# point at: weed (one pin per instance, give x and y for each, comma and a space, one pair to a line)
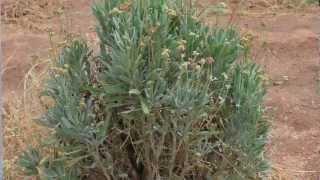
166, 98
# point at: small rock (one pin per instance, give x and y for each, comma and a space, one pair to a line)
278, 83
263, 24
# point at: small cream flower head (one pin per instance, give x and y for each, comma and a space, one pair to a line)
115, 11
166, 53
225, 75
192, 34
202, 61
182, 45
198, 67
171, 12
223, 5
195, 53
142, 44
185, 65
210, 60
182, 41
195, 18
67, 66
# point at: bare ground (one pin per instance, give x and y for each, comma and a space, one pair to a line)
286, 44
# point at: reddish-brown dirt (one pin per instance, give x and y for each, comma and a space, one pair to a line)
286, 44
21, 45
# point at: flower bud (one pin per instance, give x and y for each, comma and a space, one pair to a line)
172, 12
115, 11
202, 61
166, 53
210, 60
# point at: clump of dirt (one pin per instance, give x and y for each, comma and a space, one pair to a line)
29, 13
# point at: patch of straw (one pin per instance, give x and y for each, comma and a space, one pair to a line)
20, 131
29, 13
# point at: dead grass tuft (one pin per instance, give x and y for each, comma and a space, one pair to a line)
279, 174
21, 109
20, 129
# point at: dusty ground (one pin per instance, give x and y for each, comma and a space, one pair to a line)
21, 45
285, 43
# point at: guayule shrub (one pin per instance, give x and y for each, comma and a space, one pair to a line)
165, 98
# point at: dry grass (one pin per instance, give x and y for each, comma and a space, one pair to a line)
20, 111
278, 174
20, 130
277, 4
29, 13
249, 7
